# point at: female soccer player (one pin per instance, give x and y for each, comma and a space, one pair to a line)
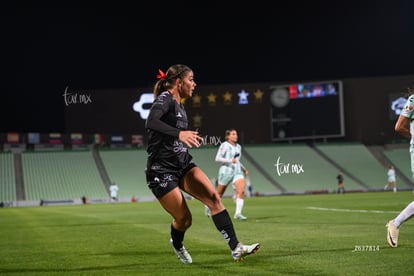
171, 169
405, 127
231, 170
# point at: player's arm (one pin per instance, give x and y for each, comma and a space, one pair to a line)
154, 122
245, 171
402, 126
221, 155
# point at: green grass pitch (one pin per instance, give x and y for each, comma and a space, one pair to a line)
328, 234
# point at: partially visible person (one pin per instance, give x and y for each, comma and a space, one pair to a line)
405, 127
341, 184
85, 200
391, 181
114, 191
231, 170
171, 169
249, 186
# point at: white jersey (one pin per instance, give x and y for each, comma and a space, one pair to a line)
114, 190
391, 175
408, 111
225, 154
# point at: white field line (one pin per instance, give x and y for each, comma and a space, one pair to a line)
350, 210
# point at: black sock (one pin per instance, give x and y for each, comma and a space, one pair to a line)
225, 226
177, 237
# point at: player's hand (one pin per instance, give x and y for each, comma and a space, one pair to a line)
190, 138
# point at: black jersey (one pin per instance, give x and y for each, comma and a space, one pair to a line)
165, 120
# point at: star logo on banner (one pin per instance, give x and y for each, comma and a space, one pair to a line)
227, 98
211, 99
197, 120
258, 96
196, 100
243, 97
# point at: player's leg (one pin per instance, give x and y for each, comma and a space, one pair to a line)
175, 204
239, 186
394, 225
197, 184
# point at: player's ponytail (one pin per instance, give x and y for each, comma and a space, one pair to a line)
166, 80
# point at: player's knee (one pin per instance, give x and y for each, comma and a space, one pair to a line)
215, 202
216, 198
184, 222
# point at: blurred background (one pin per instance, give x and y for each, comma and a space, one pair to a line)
51, 47
77, 76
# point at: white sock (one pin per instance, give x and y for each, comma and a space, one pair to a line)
404, 214
395, 189
239, 206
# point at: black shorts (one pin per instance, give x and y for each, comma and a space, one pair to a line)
161, 180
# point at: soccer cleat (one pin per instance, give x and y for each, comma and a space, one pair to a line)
240, 217
392, 234
182, 254
207, 211
242, 250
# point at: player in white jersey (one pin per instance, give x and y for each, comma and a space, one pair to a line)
114, 191
405, 127
231, 170
391, 181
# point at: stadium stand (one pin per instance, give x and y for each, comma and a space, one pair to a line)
205, 156
61, 175
126, 167
300, 168
7, 179
357, 161
400, 158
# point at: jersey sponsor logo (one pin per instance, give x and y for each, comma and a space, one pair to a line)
179, 147
165, 179
155, 167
